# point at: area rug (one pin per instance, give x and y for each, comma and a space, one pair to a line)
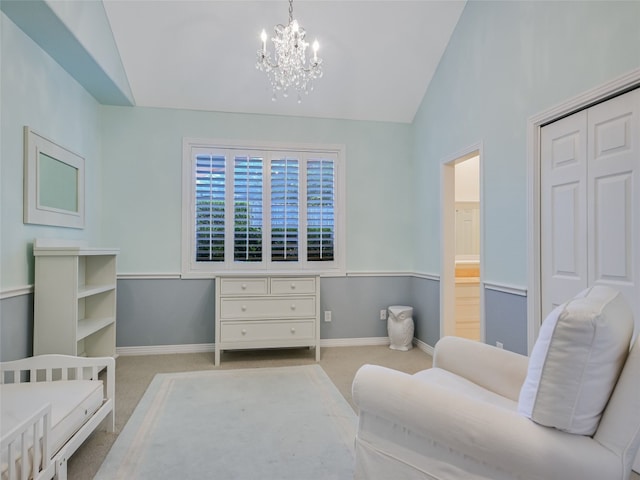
268, 423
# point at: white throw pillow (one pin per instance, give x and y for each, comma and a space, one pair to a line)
576, 361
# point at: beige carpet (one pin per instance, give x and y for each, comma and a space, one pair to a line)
134, 374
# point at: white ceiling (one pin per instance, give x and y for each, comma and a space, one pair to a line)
378, 56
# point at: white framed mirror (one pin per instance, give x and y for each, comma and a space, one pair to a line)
53, 183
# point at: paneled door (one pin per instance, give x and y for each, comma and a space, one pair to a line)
563, 210
590, 202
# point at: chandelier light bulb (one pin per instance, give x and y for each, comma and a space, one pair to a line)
263, 37
289, 69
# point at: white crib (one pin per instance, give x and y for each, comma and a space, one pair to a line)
49, 405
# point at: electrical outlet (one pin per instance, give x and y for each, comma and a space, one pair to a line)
383, 314
499, 345
327, 315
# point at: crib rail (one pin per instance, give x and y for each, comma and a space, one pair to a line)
52, 367
24, 449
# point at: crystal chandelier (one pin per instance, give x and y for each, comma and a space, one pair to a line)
290, 70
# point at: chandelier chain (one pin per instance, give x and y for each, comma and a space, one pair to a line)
290, 11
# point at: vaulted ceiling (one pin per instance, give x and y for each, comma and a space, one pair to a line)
378, 56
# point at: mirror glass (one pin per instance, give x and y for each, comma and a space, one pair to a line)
58, 184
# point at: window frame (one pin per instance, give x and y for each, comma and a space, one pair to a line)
268, 151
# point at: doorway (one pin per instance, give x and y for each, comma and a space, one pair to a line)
461, 298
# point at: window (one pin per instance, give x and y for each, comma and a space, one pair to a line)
262, 208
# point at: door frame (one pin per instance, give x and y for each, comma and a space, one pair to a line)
448, 235
612, 88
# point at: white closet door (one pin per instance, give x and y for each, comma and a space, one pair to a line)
590, 202
563, 212
613, 196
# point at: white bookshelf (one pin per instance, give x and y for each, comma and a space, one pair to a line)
75, 299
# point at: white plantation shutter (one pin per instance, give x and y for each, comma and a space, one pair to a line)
256, 208
209, 208
285, 209
321, 191
247, 209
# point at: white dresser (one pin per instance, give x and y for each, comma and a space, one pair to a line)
267, 312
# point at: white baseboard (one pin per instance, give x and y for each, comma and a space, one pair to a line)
210, 347
166, 349
354, 342
425, 347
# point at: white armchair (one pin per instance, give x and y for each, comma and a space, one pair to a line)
460, 419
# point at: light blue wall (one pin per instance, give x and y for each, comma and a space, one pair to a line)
89, 24
506, 62
37, 92
78, 36
142, 152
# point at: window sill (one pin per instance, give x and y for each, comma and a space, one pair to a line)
227, 273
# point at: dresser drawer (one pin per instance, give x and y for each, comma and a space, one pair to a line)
267, 331
293, 285
268, 307
244, 286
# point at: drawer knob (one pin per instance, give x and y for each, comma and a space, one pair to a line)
244, 332
293, 286
244, 308
293, 306
293, 330
243, 286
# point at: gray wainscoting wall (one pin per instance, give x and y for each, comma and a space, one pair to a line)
355, 303
506, 320
16, 327
154, 312
425, 294
158, 312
